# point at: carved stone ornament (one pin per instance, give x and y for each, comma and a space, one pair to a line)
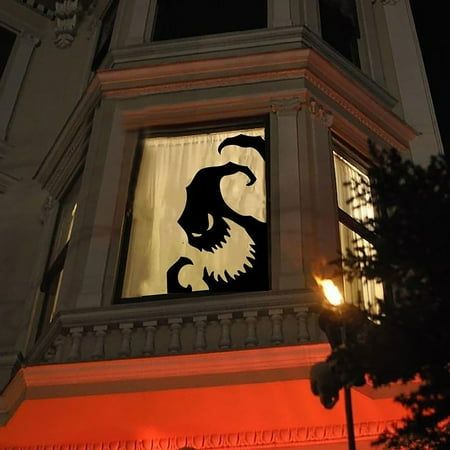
286, 105
66, 15
318, 111
287, 437
67, 18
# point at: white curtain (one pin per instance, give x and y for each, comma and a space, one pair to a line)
157, 241
360, 291
353, 190
350, 183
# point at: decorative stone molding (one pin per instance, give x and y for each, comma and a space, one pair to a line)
66, 13
287, 104
251, 439
311, 70
66, 16
43, 8
320, 112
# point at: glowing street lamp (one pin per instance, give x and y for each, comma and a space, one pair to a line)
330, 291
334, 297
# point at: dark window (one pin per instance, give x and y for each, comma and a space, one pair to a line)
7, 39
339, 22
55, 267
104, 38
196, 220
186, 18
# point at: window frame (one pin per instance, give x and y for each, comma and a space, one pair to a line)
173, 131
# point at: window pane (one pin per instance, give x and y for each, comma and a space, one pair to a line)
7, 39
339, 23
66, 217
199, 215
359, 290
186, 18
105, 35
353, 190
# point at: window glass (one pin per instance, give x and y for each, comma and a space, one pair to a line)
199, 215
105, 35
187, 18
53, 275
66, 217
339, 24
359, 291
7, 39
353, 190
355, 208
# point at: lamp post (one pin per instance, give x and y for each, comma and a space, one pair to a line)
335, 300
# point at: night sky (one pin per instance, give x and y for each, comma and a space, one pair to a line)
433, 28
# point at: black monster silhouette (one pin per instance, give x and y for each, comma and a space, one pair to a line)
206, 221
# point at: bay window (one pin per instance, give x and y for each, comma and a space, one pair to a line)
197, 215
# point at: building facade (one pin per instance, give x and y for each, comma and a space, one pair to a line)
172, 178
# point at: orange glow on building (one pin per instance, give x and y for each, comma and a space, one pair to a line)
215, 414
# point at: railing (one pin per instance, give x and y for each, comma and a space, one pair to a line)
180, 326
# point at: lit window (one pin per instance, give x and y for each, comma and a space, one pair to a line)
197, 217
53, 276
186, 18
355, 209
339, 24
7, 39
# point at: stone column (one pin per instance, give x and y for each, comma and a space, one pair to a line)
318, 194
287, 252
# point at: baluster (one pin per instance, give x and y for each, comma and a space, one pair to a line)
175, 327
276, 317
76, 334
303, 326
125, 345
59, 349
99, 346
150, 331
200, 337
250, 318
225, 335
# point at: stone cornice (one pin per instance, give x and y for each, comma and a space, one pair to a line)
249, 440
312, 71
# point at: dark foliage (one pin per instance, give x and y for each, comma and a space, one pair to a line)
410, 337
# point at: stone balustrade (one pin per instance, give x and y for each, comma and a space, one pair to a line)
162, 328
